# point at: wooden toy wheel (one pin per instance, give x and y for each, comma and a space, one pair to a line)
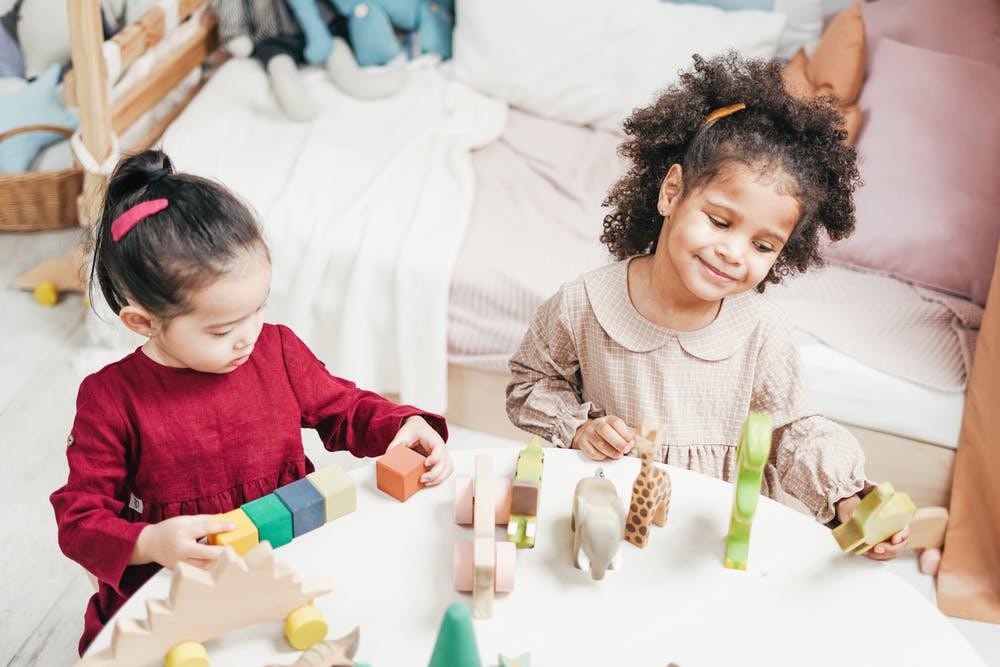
503, 577
463, 500
186, 654
304, 627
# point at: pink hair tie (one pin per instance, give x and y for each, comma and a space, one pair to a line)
124, 223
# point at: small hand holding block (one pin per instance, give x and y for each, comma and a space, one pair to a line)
244, 538
398, 472
882, 513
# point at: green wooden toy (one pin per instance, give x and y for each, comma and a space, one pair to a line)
522, 524
751, 457
456, 641
878, 516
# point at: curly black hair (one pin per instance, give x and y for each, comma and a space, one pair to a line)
803, 138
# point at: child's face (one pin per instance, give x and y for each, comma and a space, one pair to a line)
219, 334
723, 238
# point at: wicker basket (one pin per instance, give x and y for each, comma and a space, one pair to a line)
34, 201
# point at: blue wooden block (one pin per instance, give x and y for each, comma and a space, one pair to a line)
306, 505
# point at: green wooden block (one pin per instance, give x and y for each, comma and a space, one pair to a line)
272, 518
456, 641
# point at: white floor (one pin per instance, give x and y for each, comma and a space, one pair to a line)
44, 594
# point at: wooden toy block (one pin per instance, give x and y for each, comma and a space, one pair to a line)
306, 504
465, 500
651, 490
751, 457
235, 592
244, 538
484, 547
881, 513
398, 472
598, 524
338, 489
272, 518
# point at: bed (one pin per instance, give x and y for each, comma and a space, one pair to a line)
414, 236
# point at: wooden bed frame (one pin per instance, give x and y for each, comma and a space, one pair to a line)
476, 398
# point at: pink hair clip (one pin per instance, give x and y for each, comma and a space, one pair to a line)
124, 223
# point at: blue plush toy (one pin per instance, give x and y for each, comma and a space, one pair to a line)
34, 104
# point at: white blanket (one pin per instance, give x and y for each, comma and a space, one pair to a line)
364, 208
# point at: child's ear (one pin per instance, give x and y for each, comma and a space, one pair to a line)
670, 190
138, 319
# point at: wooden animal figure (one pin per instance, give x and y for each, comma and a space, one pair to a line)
751, 457
598, 524
235, 592
881, 513
329, 652
651, 490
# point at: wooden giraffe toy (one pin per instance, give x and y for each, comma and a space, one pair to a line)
651, 490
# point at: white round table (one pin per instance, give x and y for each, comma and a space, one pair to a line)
800, 600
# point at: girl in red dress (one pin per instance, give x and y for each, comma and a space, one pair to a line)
206, 415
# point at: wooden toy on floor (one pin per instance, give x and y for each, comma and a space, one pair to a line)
598, 524
398, 472
651, 490
523, 521
456, 640
880, 514
290, 511
751, 457
235, 592
330, 652
484, 565
54, 276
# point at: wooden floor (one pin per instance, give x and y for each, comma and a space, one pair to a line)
43, 357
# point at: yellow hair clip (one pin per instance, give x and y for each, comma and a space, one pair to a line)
723, 112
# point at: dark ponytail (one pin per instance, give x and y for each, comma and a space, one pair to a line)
166, 257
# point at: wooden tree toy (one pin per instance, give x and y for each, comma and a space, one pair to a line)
484, 565
751, 457
651, 490
398, 472
880, 514
598, 524
523, 521
235, 592
456, 640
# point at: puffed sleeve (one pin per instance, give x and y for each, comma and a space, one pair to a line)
345, 417
89, 508
544, 395
819, 462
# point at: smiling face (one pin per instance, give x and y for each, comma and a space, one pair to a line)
723, 238
219, 333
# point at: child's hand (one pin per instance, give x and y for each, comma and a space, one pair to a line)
175, 540
604, 438
416, 431
883, 550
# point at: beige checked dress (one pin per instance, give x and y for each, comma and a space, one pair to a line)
589, 353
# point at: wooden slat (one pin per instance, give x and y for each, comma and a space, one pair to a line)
143, 96
138, 37
86, 38
155, 133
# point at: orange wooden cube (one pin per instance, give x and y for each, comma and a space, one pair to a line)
243, 539
398, 472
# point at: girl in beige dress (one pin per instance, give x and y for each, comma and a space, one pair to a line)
731, 183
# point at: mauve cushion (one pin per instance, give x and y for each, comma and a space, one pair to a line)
967, 28
929, 151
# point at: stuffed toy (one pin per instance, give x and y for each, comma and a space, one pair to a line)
265, 30
35, 103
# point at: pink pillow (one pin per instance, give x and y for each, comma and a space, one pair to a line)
929, 150
967, 28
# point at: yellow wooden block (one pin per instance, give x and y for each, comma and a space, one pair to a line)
243, 539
